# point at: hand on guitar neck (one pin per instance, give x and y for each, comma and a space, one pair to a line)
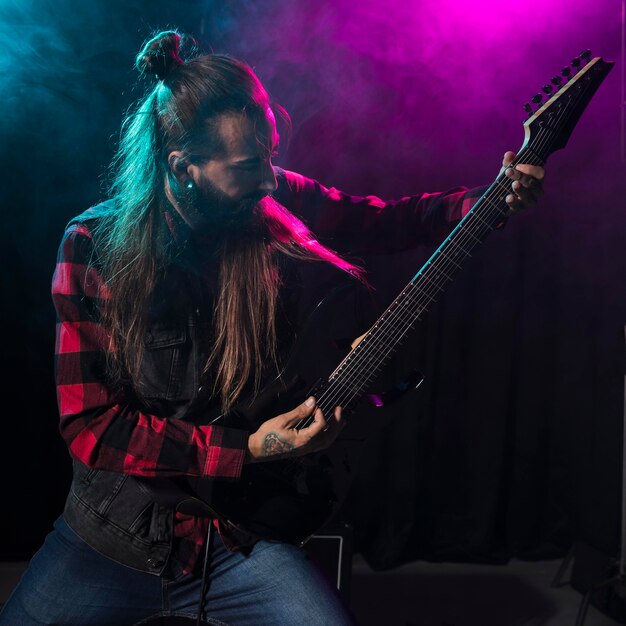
526, 182
298, 432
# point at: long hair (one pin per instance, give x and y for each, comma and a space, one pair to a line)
135, 243
245, 334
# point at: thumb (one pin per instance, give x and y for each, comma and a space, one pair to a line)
302, 411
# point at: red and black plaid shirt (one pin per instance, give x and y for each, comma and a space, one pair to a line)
96, 421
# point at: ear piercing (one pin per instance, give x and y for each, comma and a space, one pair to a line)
189, 184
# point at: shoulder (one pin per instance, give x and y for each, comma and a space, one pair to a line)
86, 222
292, 181
77, 243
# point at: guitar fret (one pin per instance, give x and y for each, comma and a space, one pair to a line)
468, 230
480, 219
435, 269
461, 248
449, 258
506, 213
432, 282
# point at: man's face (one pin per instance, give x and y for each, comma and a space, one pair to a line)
229, 184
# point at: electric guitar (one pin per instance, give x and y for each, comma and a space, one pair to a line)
291, 499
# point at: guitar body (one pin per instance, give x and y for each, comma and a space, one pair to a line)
290, 499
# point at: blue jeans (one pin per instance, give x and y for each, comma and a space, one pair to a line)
67, 582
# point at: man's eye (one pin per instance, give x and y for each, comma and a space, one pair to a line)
248, 166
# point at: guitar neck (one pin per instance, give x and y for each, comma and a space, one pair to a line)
547, 130
352, 377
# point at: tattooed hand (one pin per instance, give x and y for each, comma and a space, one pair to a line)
279, 438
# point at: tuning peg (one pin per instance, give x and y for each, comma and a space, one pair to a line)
576, 62
585, 55
566, 71
528, 109
546, 88
537, 98
556, 80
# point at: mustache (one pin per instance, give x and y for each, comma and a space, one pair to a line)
209, 208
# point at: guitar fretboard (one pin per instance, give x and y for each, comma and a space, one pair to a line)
357, 371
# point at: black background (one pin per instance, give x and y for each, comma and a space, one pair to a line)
513, 445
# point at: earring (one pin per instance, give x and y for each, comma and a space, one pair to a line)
189, 184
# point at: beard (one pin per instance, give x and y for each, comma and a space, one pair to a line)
209, 212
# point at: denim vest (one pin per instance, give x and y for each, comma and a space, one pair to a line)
116, 514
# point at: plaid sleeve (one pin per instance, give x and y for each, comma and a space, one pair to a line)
367, 224
99, 427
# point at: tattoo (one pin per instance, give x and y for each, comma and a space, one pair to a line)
273, 444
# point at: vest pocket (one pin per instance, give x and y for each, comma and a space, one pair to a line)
96, 488
166, 365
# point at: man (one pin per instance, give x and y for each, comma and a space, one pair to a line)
176, 299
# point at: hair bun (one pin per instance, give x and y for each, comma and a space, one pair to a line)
160, 55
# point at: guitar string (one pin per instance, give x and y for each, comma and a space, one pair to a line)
558, 115
405, 304
402, 316
400, 308
396, 312
363, 365
331, 396
428, 282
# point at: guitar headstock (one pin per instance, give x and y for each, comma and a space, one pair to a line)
548, 128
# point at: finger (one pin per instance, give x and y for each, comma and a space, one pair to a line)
520, 199
513, 199
534, 171
336, 420
529, 194
302, 411
338, 417
315, 425
508, 158
528, 181
515, 204
524, 186
528, 191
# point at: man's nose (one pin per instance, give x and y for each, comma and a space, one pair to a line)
268, 180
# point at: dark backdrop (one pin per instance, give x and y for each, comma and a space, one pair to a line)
512, 447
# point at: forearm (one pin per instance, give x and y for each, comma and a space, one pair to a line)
369, 225
103, 426
117, 438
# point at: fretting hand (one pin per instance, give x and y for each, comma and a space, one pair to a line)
526, 184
